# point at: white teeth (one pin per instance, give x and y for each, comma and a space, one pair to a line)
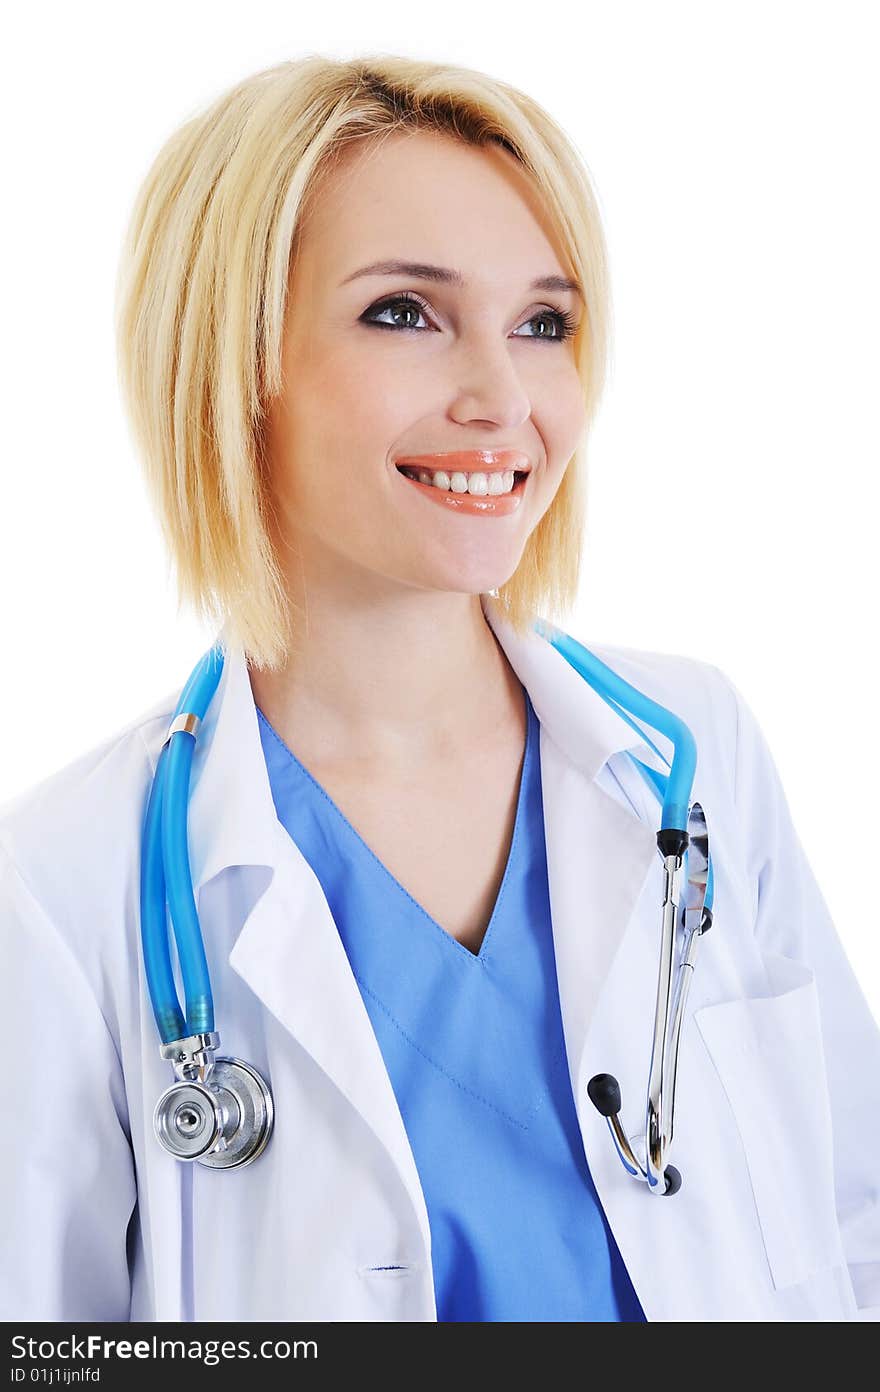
479, 483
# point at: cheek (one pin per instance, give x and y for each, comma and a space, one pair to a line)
352, 404
561, 421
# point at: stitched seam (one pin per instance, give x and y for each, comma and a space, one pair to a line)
445, 1071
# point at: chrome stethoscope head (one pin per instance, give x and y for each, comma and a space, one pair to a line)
220, 1110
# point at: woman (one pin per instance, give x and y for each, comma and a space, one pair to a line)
425, 865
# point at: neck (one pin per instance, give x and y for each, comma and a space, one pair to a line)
408, 677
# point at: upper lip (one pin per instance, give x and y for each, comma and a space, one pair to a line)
487, 461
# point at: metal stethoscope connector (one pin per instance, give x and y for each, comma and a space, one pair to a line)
219, 1111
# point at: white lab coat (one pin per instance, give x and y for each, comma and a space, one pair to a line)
777, 1127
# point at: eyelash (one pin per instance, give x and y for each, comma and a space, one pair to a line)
566, 323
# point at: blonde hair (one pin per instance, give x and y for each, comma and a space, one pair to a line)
200, 307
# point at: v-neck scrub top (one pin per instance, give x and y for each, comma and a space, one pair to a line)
474, 1048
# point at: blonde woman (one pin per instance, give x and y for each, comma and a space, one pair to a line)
363, 321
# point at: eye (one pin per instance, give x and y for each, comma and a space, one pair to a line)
408, 302
565, 325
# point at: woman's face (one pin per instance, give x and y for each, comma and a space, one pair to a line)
456, 370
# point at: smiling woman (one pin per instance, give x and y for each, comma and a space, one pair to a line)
383, 244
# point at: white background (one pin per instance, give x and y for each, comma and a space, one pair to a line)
734, 494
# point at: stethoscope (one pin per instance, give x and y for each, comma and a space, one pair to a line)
219, 1111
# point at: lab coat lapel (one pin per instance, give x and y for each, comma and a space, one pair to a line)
292, 957
286, 946
598, 858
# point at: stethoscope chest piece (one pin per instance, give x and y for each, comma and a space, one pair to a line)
219, 1113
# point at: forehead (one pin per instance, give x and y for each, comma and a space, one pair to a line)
426, 196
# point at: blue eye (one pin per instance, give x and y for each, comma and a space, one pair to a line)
565, 324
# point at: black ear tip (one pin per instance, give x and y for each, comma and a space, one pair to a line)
604, 1093
673, 1179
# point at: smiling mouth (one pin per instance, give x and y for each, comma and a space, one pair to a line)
493, 483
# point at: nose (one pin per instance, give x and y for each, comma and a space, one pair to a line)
492, 391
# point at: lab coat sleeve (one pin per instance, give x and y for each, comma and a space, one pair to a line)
794, 921
66, 1168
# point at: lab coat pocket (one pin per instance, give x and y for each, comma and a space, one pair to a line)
769, 1056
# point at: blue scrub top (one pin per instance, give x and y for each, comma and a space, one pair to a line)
474, 1048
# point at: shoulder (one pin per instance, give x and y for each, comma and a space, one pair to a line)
697, 691
70, 843
736, 780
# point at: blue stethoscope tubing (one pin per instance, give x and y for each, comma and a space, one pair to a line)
166, 876
165, 873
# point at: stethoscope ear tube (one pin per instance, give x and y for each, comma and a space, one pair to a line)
154, 925
683, 834
165, 872
696, 919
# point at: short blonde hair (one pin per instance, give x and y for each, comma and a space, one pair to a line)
200, 307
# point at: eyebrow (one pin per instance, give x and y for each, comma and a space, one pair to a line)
419, 270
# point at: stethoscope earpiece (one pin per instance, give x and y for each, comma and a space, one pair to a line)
604, 1093
673, 1179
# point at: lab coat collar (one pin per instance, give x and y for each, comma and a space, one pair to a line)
232, 817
